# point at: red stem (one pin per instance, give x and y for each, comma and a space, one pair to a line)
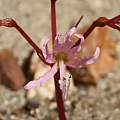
100, 22
53, 20
38, 50
9, 22
59, 98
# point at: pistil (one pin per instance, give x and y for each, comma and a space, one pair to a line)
61, 56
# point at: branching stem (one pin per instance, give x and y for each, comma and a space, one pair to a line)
101, 22
9, 22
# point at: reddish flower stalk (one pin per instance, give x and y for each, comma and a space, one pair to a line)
103, 21
58, 92
9, 22
53, 20
59, 98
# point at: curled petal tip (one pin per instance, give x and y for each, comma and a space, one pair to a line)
97, 53
95, 56
71, 31
80, 36
31, 85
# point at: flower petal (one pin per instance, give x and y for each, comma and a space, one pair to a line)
78, 47
64, 81
94, 57
68, 35
48, 56
45, 41
42, 79
71, 31
62, 69
57, 40
75, 63
80, 36
64, 86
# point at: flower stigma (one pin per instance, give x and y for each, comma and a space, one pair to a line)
61, 56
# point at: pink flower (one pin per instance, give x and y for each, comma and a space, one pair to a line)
63, 54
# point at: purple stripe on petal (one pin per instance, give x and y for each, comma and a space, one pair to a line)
45, 46
48, 56
68, 35
72, 52
57, 39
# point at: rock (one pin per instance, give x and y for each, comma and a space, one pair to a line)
11, 73
53, 106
